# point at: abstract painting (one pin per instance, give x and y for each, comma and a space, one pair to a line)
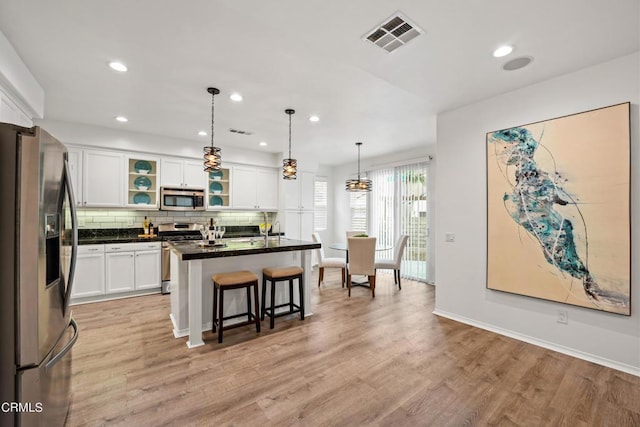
558, 209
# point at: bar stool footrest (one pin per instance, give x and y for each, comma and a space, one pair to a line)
269, 310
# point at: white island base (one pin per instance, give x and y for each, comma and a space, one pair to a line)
192, 289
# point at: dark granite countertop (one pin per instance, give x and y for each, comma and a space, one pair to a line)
192, 250
130, 235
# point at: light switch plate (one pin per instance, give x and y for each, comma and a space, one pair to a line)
449, 237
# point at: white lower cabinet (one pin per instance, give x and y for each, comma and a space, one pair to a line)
89, 277
120, 269
147, 269
104, 271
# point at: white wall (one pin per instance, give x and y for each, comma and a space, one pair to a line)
96, 136
17, 81
605, 338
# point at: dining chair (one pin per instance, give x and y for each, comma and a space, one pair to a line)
327, 262
362, 256
394, 264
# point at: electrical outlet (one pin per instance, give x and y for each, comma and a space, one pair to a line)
449, 237
563, 317
129, 221
81, 222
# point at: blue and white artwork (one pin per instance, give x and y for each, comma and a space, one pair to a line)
558, 223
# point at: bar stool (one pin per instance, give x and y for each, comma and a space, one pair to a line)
276, 275
234, 280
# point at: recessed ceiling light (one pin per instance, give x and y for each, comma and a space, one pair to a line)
202, 133
314, 119
118, 66
502, 51
122, 119
263, 144
235, 97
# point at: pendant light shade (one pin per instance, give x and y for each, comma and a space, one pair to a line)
212, 154
360, 184
289, 166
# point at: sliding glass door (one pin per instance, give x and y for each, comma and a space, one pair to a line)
399, 206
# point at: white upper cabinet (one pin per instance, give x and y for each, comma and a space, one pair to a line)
103, 173
182, 173
298, 193
254, 188
267, 188
171, 175
194, 176
243, 188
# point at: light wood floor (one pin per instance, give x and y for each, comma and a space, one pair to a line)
357, 362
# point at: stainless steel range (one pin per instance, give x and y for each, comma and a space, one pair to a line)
174, 232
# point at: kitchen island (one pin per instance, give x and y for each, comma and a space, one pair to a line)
193, 265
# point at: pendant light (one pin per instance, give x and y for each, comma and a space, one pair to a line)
360, 184
289, 166
212, 154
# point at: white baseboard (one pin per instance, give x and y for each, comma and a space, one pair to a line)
633, 370
110, 297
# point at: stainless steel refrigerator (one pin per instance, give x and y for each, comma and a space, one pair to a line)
38, 246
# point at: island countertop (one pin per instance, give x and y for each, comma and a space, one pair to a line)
191, 250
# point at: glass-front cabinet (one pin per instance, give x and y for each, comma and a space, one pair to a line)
142, 182
218, 185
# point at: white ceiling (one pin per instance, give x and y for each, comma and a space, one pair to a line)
307, 55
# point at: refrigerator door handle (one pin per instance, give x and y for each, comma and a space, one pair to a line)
51, 363
74, 238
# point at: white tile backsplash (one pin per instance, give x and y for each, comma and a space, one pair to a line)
100, 218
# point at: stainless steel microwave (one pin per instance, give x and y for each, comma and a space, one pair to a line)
181, 199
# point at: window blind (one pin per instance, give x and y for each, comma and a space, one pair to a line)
320, 203
399, 206
358, 204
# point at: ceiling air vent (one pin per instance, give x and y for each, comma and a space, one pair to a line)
394, 32
240, 132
